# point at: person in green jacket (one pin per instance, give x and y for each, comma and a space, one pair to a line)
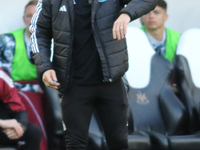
15, 53
16, 60
163, 40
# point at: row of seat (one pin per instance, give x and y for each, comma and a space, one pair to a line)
158, 119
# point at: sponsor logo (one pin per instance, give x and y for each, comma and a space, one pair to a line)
63, 8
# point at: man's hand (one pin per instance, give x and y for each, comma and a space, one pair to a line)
11, 133
120, 26
12, 128
50, 80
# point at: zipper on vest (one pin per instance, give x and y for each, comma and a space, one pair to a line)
95, 4
71, 22
97, 31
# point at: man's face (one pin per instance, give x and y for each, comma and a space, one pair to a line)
155, 19
30, 10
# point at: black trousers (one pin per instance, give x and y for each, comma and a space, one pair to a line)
31, 138
110, 102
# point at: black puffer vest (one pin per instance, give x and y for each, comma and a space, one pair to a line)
113, 53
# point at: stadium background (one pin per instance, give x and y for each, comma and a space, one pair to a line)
183, 14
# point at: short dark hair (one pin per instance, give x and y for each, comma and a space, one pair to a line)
162, 3
32, 2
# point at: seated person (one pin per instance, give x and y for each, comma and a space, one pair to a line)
16, 60
163, 40
14, 126
15, 53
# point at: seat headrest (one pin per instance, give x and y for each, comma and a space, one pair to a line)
140, 54
189, 47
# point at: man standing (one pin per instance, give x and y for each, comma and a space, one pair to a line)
90, 57
163, 40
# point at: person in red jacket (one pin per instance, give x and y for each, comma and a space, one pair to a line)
14, 127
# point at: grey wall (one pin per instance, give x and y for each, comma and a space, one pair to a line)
11, 13
183, 14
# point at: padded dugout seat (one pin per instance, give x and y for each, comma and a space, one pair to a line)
155, 109
188, 82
